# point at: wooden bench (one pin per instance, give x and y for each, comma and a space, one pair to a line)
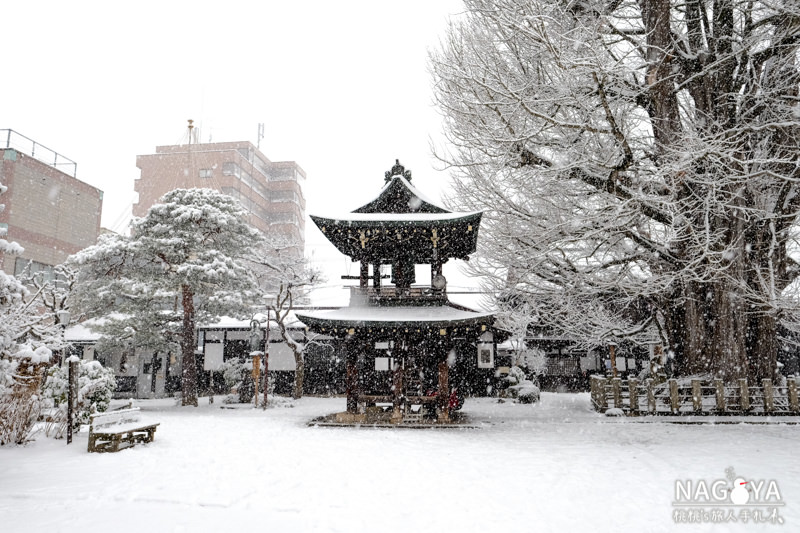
116, 430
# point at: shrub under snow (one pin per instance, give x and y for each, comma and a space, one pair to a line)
20, 377
521, 388
96, 384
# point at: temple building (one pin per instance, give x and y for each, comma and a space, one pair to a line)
402, 339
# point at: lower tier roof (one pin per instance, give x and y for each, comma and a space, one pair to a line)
433, 316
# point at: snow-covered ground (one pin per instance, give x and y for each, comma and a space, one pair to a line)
555, 466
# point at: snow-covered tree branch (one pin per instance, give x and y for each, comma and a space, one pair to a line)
637, 164
184, 262
285, 278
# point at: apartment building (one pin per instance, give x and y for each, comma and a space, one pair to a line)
270, 191
48, 211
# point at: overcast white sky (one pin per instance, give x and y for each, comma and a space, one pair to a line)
342, 87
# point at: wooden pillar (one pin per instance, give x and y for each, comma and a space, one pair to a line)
616, 390
72, 395
633, 395
651, 395
719, 386
599, 398
363, 278
444, 391
744, 395
769, 395
352, 346
674, 400
794, 405
397, 390
697, 396
256, 379
376, 276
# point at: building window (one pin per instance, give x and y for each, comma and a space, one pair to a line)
284, 196
206, 173
36, 268
283, 218
231, 169
282, 174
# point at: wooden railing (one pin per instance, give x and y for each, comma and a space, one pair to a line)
391, 293
694, 397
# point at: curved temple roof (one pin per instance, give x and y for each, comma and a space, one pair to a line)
435, 316
402, 221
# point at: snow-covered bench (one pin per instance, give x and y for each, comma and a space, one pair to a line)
116, 430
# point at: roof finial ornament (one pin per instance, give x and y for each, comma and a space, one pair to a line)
397, 170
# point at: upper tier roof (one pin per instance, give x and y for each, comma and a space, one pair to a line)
395, 212
399, 196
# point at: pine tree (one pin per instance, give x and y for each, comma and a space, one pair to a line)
184, 261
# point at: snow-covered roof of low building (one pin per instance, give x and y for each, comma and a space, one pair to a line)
227, 322
80, 333
395, 316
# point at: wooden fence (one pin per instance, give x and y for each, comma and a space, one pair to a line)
694, 397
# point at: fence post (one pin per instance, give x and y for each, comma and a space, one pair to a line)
674, 401
633, 395
616, 390
720, 393
744, 395
599, 400
651, 395
794, 405
769, 398
697, 396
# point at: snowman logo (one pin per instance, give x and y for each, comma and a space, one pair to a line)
740, 493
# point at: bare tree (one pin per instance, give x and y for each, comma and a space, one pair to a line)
285, 279
637, 163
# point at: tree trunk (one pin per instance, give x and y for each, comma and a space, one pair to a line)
762, 348
299, 362
188, 362
299, 375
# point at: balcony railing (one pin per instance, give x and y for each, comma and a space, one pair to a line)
38, 151
393, 294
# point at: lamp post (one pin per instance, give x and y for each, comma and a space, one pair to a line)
63, 317
267, 300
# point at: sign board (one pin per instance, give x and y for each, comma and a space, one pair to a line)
213, 359
485, 355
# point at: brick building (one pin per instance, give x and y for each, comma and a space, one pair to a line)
271, 191
49, 212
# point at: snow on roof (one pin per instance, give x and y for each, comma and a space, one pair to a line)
416, 192
413, 190
399, 217
80, 333
394, 314
227, 322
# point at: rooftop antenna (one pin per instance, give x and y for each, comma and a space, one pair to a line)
260, 135
191, 127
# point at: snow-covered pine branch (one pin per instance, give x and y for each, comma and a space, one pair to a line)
183, 262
